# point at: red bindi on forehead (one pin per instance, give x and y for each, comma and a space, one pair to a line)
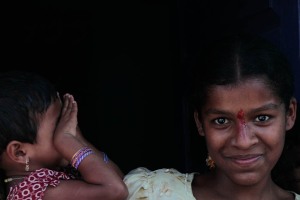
241, 116
242, 127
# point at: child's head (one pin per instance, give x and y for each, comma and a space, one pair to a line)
238, 58
23, 97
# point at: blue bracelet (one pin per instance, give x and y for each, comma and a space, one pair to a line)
105, 157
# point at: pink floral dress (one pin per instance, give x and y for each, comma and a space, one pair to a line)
34, 185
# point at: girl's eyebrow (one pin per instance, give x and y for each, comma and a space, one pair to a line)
269, 106
216, 112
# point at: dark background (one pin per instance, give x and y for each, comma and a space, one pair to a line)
127, 64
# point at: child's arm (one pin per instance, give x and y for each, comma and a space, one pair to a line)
87, 143
101, 179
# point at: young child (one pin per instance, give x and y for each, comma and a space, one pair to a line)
39, 135
243, 105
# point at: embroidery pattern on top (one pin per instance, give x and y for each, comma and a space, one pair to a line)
34, 186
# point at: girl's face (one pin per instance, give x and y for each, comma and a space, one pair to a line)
244, 126
45, 154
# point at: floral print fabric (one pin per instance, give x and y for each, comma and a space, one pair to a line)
34, 186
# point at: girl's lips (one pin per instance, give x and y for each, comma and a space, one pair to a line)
245, 160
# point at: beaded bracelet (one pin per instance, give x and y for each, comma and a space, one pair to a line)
80, 155
77, 154
78, 161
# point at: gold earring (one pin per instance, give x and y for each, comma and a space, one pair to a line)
210, 162
27, 164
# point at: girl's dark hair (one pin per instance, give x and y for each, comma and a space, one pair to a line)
239, 57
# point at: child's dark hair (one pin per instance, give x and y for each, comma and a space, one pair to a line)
240, 57
24, 96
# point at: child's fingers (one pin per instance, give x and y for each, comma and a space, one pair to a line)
65, 103
74, 108
70, 108
68, 104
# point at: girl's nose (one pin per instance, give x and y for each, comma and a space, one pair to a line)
243, 137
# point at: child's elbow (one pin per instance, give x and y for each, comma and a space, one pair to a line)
119, 192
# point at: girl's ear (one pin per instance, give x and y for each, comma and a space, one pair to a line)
198, 123
16, 151
291, 114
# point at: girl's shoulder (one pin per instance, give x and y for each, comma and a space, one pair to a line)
297, 196
163, 184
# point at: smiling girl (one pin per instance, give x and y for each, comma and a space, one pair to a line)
243, 105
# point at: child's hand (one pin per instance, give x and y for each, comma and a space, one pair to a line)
68, 120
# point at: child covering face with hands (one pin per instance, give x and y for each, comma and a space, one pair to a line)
39, 136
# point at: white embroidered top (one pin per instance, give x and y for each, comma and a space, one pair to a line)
161, 184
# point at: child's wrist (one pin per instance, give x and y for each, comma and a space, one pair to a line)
80, 155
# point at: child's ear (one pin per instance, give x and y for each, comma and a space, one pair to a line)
16, 151
198, 123
291, 114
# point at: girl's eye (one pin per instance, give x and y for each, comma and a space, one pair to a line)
221, 121
262, 118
